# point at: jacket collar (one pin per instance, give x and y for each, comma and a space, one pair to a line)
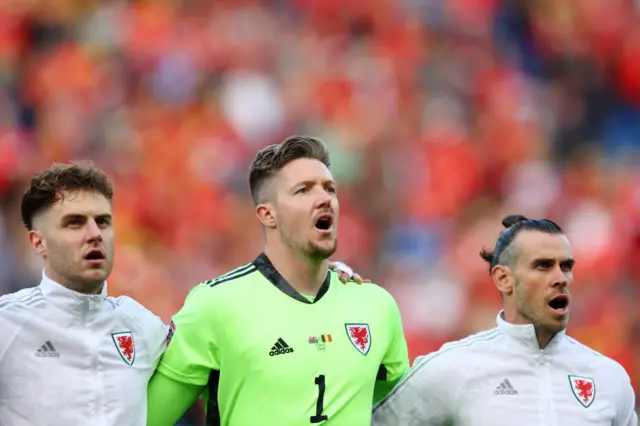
525, 333
70, 300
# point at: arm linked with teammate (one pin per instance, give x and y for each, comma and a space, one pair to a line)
186, 365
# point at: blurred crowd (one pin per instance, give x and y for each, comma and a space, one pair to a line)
441, 118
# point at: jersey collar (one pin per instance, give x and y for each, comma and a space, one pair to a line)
269, 271
70, 300
525, 333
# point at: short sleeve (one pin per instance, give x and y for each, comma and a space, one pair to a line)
396, 360
193, 348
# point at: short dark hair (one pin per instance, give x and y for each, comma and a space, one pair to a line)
272, 159
503, 253
47, 187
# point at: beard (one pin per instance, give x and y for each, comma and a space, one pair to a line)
311, 249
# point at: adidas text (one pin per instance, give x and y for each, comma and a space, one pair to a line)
280, 351
280, 347
505, 392
505, 388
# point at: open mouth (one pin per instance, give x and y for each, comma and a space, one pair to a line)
94, 255
324, 222
559, 304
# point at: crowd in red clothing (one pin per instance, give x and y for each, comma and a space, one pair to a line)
441, 118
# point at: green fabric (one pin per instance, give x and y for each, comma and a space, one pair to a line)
168, 400
260, 340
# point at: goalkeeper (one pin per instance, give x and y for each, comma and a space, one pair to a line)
279, 341
526, 371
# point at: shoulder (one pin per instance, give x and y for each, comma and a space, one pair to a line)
230, 282
219, 291
373, 293
21, 300
459, 354
137, 313
598, 361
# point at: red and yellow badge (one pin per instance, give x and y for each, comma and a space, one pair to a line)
584, 389
359, 336
125, 345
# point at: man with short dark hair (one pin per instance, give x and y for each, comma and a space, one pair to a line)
526, 371
69, 354
277, 342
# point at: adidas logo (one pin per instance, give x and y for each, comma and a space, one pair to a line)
505, 388
47, 351
280, 348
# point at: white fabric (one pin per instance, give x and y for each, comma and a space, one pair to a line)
464, 381
84, 380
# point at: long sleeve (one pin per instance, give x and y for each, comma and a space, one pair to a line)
626, 414
425, 397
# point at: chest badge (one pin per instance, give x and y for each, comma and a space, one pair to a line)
360, 337
125, 346
584, 389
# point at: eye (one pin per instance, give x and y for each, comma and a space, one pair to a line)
544, 265
331, 190
73, 222
302, 190
103, 221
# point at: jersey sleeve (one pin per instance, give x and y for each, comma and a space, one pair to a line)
193, 349
395, 363
158, 339
625, 413
425, 396
10, 324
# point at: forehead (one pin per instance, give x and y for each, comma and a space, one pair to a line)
535, 245
82, 202
303, 170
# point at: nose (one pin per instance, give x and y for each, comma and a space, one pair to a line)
560, 278
324, 199
94, 233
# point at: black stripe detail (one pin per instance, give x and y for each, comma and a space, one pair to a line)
224, 280
235, 271
382, 373
213, 409
269, 271
278, 345
50, 346
282, 342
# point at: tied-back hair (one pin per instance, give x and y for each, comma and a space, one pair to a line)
515, 224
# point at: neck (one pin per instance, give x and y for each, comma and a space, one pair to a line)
304, 274
84, 288
543, 335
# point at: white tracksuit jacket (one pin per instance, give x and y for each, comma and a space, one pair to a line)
501, 377
69, 359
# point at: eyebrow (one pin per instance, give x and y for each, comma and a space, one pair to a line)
310, 182
82, 216
566, 262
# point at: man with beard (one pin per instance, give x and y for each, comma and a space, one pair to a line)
279, 341
526, 371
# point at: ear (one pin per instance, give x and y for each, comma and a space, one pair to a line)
37, 241
266, 215
503, 278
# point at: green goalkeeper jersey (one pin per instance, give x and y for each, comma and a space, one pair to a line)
266, 355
